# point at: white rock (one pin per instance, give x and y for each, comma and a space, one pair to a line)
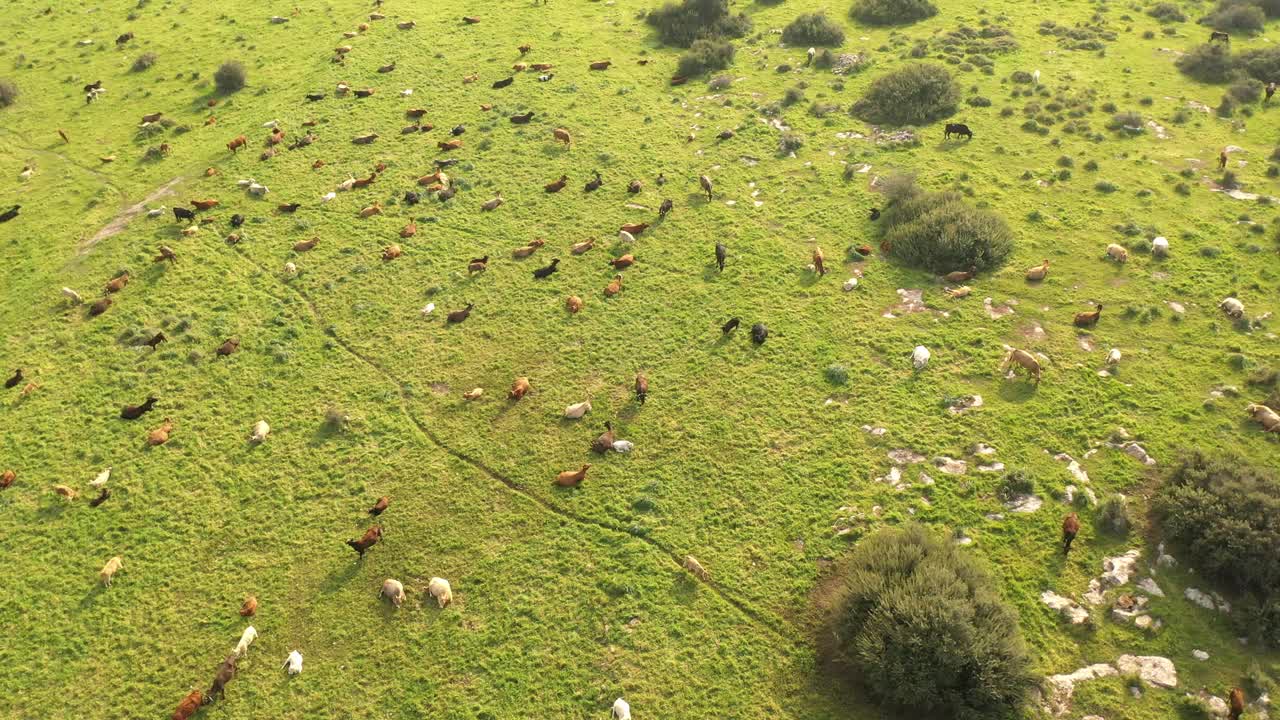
1068, 608
1062, 687
905, 457
1144, 622
1116, 571
1200, 598
406, 92
623, 446
1136, 451
850, 284
1200, 655
1113, 356
951, 466
994, 467
1024, 504
1153, 670
920, 357
1148, 585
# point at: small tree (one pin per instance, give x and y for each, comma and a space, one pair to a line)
8, 92
917, 94
706, 55
681, 23
144, 62
1209, 63
892, 12
230, 77
940, 232
814, 29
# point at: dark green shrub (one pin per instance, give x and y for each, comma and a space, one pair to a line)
230, 77
814, 29
681, 23
705, 55
892, 12
1245, 91
8, 92
1209, 63
1014, 484
1166, 12
1128, 121
1104, 186
978, 101
789, 142
792, 96
940, 232
917, 94
1113, 516
923, 628
1261, 64
837, 374
144, 62
1236, 16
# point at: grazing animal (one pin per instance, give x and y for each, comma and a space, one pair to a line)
153, 117
1232, 307
693, 566
863, 250
260, 432
470, 20
365, 92
601, 64
519, 388
166, 253
188, 707
101, 478
364, 139
160, 435
1236, 702
314, 97
759, 333
1024, 359
7, 477
249, 606
10, 214
614, 287
721, 253
958, 292
226, 671
293, 663
594, 184
1038, 273
545, 77
458, 316
237, 220
604, 442
499, 84
1271, 90
545, 272
621, 710
133, 412
237, 143
577, 410
819, 266
479, 264
634, 228
960, 276
526, 251
411, 229
875, 214
1089, 319
448, 145
227, 347
582, 247
411, 198
634, 187
1222, 159
380, 506
730, 326
705, 182
625, 261
665, 208
493, 204
246, 639
103, 495
370, 211
524, 49
66, 492
387, 68
920, 357
305, 245
726, 135
393, 590
441, 591
1160, 247
959, 129
72, 295
99, 307
14, 380
391, 252
1265, 416
1117, 253
288, 208
641, 388
542, 66
521, 119
809, 56
1070, 526
557, 186
573, 303
109, 570
563, 136
572, 478
1219, 35
366, 541
182, 214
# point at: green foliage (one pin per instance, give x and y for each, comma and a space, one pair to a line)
1211, 63
1236, 16
917, 94
837, 374
814, 29
705, 55
144, 62
1226, 515
1014, 484
8, 92
230, 77
789, 142
939, 231
923, 628
680, 24
1262, 64
1113, 516
1246, 90
892, 12
1167, 12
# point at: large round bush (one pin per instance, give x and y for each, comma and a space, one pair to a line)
705, 55
681, 23
892, 12
230, 76
8, 92
814, 29
923, 629
940, 232
917, 94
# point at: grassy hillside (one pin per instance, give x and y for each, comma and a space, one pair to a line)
747, 457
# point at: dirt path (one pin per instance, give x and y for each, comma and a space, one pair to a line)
122, 220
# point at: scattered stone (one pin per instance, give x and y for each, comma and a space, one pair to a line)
1153, 670
910, 301
996, 311
984, 450
905, 457
1086, 342
1068, 608
994, 467
1069, 494
1062, 687
850, 284
1177, 307
950, 466
964, 404
849, 63
1207, 601
994, 517
1146, 622
1116, 571
1200, 655
925, 479
1024, 504
874, 431
1148, 585
1139, 453
1214, 705
1073, 467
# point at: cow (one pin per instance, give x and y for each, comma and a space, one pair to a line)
1219, 35
957, 129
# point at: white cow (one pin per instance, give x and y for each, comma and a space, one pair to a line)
293, 662
246, 639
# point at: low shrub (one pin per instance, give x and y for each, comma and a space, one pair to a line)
892, 12
144, 62
680, 24
705, 55
939, 231
1236, 16
789, 142
1128, 121
1113, 516
917, 94
1014, 484
1247, 90
814, 29
230, 77
837, 374
923, 628
1211, 63
1262, 64
8, 92
1166, 12
792, 96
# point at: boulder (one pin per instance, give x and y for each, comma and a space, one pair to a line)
1153, 670
1068, 608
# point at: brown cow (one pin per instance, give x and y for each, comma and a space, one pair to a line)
563, 136
237, 143
1237, 703
226, 671
453, 144
366, 541
1070, 526
189, 705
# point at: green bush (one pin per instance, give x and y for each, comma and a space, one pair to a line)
1262, 64
1246, 90
8, 92
789, 142
923, 628
1113, 516
917, 94
814, 29
1226, 515
1236, 16
1014, 484
892, 12
683, 23
837, 374
1209, 63
940, 232
144, 62
230, 77
1166, 12
705, 55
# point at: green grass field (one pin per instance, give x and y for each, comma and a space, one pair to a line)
746, 457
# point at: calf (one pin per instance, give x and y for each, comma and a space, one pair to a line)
957, 129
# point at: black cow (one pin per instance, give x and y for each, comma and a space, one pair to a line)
10, 214
181, 213
1219, 35
503, 83
957, 129
1271, 89
124, 38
